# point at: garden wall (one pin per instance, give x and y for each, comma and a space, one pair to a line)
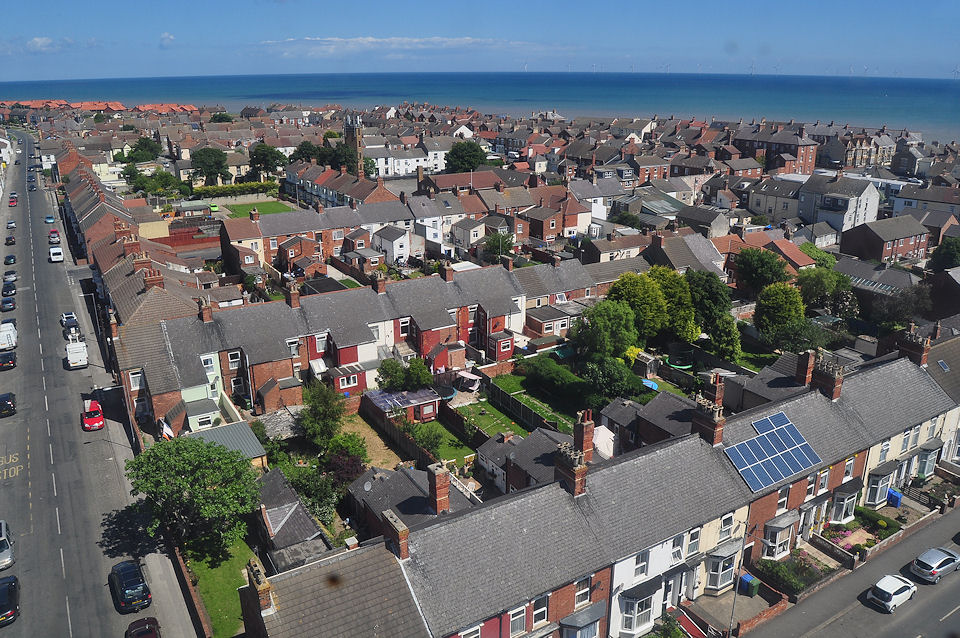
837, 553
250, 198
677, 377
349, 270
948, 471
778, 604
712, 361
893, 539
198, 613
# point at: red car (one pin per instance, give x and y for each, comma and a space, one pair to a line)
92, 417
12, 202
54, 237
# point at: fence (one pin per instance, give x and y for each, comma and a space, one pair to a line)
680, 378
927, 500
523, 413
472, 435
403, 441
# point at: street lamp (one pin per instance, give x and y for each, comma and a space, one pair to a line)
736, 579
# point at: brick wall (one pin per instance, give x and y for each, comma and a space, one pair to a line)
262, 372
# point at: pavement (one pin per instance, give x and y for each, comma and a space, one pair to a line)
63, 490
840, 609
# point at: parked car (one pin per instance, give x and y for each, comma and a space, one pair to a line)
7, 304
48, 219
54, 236
8, 360
6, 546
67, 316
9, 260
10, 275
32, 187
10, 241
143, 628
71, 328
31, 178
92, 417
9, 599
9, 289
934, 563
56, 254
12, 202
11, 225
129, 588
891, 591
8, 404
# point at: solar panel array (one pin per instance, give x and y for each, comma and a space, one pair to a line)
777, 452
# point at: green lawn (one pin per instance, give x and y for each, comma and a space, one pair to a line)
757, 360
669, 387
349, 283
218, 589
511, 383
264, 208
493, 421
452, 447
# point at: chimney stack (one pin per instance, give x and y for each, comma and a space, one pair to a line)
254, 215
805, 363
114, 327
206, 311
293, 296
570, 469
397, 532
713, 391
557, 261
438, 478
914, 346
379, 283
828, 378
583, 435
936, 330
141, 262
657, 239
403, 198
446, 271
130, 246
709, 421
380, 182
152, 279
507, 262
258, 579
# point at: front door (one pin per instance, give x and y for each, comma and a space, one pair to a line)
806, 522
668, 594
902, 473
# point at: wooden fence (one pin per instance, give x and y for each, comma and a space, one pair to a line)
403, 441
527, 416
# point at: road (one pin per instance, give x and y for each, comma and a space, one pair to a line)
840, 609
62, 490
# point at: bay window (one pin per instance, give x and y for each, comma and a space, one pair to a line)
778, 542
877, 489
719, 571
636, 613
843, 505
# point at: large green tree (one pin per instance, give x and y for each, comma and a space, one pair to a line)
198, 490
893, 312
465, 156
758, 268
393, 376
265, 159
710, 297
335, 157
145, 149
680, 320
778, 304
946, 255
322, 413
642, 293
822, 257
498, 243
605, 330
220, 118
210, 163
725, 338
818, 286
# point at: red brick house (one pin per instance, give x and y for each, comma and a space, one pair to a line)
890, 239
546, 224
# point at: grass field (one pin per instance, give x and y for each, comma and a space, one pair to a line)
511, 383
218, 589
264, 208
757, 360
452, 447
493, 421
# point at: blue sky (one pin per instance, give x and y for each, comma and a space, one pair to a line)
110, 38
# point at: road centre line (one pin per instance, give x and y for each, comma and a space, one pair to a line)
69, 624
63, 566
50, 447
953, 611
48, 427
58, 521
44, 381
54, 476
46, 406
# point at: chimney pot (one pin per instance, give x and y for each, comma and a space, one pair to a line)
827, 378
446, 271
569, 468
397, 532
709, 420
293, 297
805, 364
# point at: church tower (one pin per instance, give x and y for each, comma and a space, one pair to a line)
353, 136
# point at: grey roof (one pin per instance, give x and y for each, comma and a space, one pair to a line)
828, 184
290, 522
948, 377
896, 227
670, 412
547, 279
878, 278
608, 271
391, 233
406, 491
201, 406
535, 453
233, 436
361, 592
384, 212
291, 223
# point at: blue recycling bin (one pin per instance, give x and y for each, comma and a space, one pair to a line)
893, 498
749, 585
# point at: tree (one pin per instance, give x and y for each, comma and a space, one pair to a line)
348, 444
418, 375
725, 339
304, 152
210, 163
893, 312
369, 167
646, 300
144, 150
605, 330
759, 268
128, 127
429, 436
795, 336
323, 410
608, 376
760, 220
680, 319
99, 118
465, 156
393, 376
709, 296
822, 257
265, 159
498, 243
198, 490
331, 134
818, 286
778, 304
220, 118
946, 255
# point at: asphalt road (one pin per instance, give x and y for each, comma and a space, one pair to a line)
62, 490
840, 609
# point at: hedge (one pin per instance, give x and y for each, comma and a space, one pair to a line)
229, 190
882, 526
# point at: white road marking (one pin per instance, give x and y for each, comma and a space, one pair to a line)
48, 432
38, 330
54, 477
46, 405
50, 447
41, 365
63, 566
41, 345
953, 611
58, 520
44, 380
69, 625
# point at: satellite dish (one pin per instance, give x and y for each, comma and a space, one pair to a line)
367, 486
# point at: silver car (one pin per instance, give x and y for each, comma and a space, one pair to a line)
6, 546
934, 563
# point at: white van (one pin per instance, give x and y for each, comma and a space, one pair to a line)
56, 254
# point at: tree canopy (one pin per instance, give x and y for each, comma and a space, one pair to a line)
605, 330
265, 159
778, 304
335, 157
498, 243
818, 286
220, 118
198, 490
710, 297
465, 156
144, 150
323, 411
725, 338
946, 255
822, 257
642, 293
680, 315
758, 268
893, 312
210, 163
393, 376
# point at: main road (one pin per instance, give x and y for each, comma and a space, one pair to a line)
63, 491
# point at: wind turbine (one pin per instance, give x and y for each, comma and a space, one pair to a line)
956, 72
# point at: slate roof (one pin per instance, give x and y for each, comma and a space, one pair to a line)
547, 279
608, 271
670, 412
233, 436
876, 277
361, 592
948, 379
940, 194
406, 491
896, 227
289, 520
535, 453
391, 233
828, 184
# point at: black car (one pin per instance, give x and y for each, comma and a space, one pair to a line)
32, 187
9, 289
11, 240
16, 162
8, 404
8, 360
7, 304
143, 628
9, 260
129, 588
31, 178
9, 599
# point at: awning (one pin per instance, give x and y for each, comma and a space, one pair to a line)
586, 616
784, 521
933, 444
645, 589
317, 367
813, 502
850, 487
885, 469
726, 550
676, 569
469, 375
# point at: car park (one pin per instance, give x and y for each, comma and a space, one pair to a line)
9, 289
8, 360
891, 591
129, 587
7, 558
9, 260
935, 563
11, 240
8, 404
9, 599
7, 304
143, 628
92, 417
10, 275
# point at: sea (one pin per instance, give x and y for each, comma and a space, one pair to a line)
931, 106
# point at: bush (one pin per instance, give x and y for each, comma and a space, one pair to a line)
229, 190
877, 524
780, 575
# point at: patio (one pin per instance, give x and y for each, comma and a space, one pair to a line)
716, 610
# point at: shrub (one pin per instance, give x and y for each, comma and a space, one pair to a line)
780, 575
228, 190
877, 524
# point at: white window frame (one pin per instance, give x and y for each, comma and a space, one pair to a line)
291, 253
541, 613
641, 563
676, 550
844, 505
207, 362
505, 345
136, 379
582, 592
726, 527
337, 235
823, 479
915, 436
294, 346
636, 613
783, 495
926, 463
590, 631
361, 244
548, 327
884, 450
473, 632
561, 297
273, 243
879, 485
404, 326
472, 311
375, 329
205, 421
248, 259
553, 224
233, 359
693, 541
779, 542
905, 442
811, 485
848, 468
348, 381
720, 571
236, 384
